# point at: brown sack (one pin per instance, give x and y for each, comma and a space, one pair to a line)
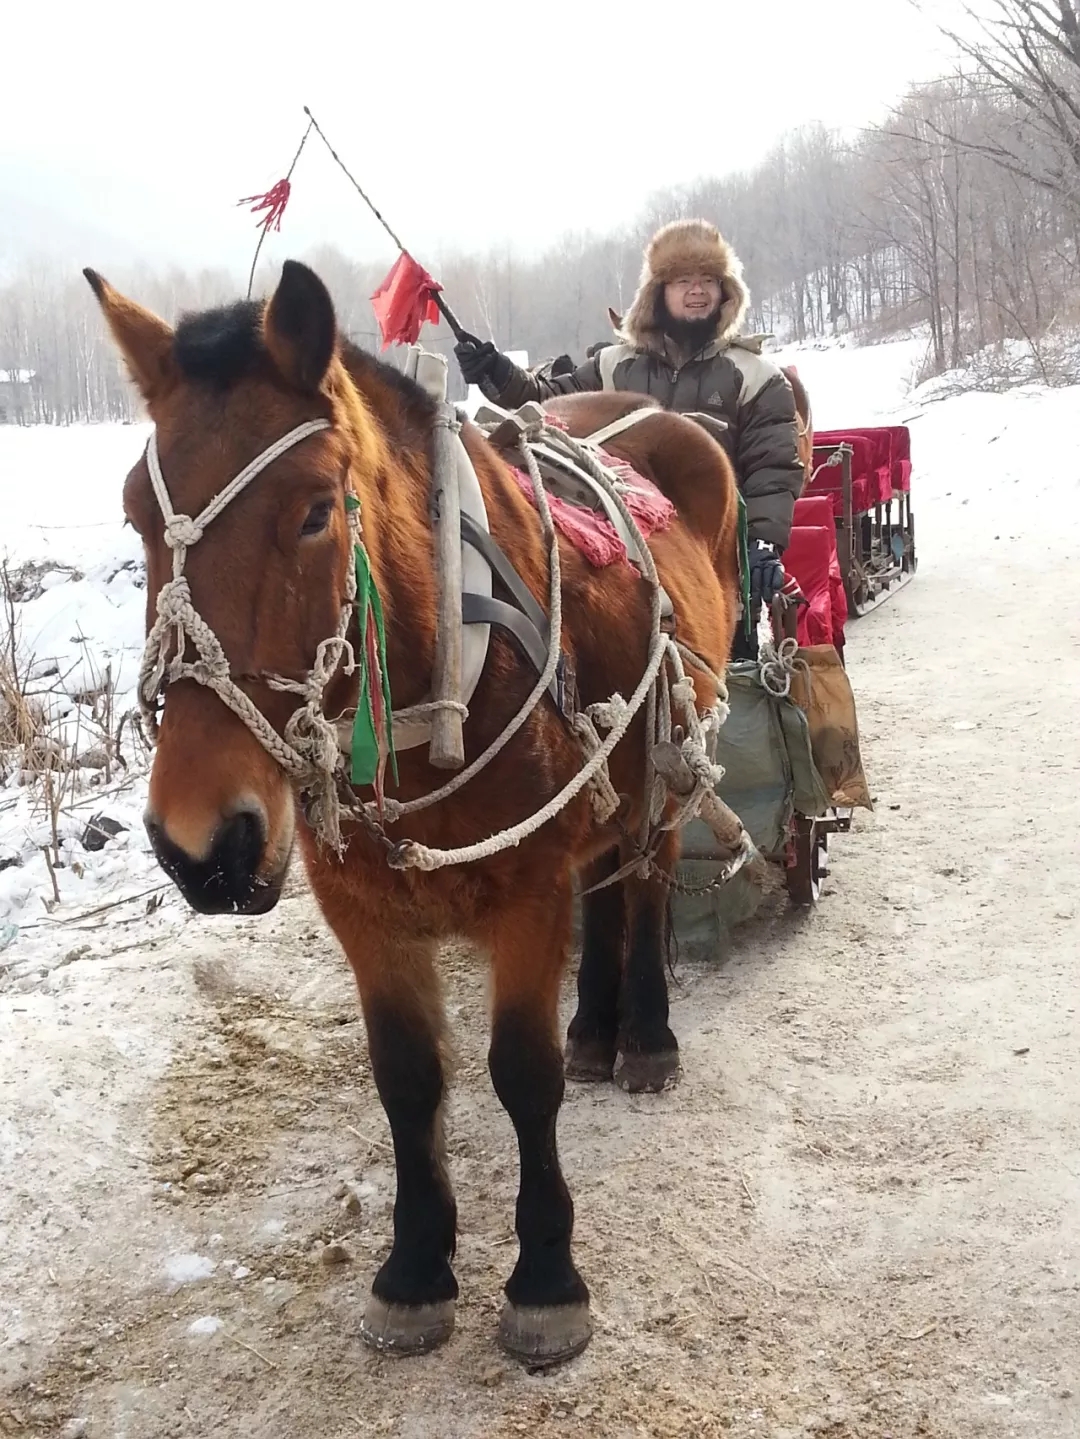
823, 691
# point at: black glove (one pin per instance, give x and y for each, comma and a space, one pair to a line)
766, 573
482, 363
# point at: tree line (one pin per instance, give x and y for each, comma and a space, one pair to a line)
959, 214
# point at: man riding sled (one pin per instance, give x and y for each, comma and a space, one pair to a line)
680, 343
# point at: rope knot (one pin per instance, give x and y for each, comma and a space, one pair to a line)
174, 601
609, 713
683, 693
182, 532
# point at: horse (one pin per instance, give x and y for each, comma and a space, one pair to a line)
804, 421
272, 386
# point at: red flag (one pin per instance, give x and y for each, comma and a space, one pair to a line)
404, 300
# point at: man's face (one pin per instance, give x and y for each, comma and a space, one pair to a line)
692, 297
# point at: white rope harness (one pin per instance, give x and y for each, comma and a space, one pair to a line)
778, 666
308, 750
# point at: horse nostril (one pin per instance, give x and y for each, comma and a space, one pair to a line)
227, 880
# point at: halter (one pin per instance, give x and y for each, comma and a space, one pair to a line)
308, 751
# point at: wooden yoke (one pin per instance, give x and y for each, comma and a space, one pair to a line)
447, 747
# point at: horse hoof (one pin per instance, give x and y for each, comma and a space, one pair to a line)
541, 1336
647, 1073
405, 1329
589, 1061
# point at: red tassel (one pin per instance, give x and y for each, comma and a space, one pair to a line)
273, 202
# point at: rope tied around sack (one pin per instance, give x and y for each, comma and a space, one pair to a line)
779, 664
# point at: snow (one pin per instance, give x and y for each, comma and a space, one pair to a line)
83, 618
208, 1324
984, 463
851, 386
188, 1268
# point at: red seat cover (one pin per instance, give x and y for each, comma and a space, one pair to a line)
817, 510
808, 558
872, 467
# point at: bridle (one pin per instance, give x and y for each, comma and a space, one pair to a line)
308, 750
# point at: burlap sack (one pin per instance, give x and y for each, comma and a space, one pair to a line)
823, 691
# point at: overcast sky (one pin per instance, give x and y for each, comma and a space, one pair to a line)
131, 130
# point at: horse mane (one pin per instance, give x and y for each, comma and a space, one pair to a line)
388, 387
223, 347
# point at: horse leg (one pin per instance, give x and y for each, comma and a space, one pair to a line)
648, 1058
592, 1039
411, 1308
546, 1316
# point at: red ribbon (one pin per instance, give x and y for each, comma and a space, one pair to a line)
273, 202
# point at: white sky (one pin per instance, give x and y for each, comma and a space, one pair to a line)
131, 130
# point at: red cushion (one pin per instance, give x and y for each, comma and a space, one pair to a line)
889, 462
901, 456
871, 468
817, 510
808, 557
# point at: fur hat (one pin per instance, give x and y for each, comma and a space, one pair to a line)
686, 246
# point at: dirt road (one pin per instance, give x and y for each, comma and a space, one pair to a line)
858, 1215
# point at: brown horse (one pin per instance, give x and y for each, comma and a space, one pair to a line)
270, 578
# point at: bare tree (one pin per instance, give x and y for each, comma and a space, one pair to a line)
1028, 52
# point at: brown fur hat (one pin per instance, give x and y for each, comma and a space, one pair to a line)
681, 247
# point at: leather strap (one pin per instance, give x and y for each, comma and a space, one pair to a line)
523, 597
482, 610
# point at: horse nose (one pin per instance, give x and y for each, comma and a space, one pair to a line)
226, 880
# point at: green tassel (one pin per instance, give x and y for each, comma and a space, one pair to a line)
366, 754
744, 566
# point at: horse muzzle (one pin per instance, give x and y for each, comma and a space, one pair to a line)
230, 877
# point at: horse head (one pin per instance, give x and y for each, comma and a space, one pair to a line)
267, 578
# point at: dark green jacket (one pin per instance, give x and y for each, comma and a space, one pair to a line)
729, 379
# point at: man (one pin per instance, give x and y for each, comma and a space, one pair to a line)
680, 343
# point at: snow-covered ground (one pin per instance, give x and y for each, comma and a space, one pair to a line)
83, 619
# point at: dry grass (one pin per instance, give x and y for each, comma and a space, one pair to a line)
55, 744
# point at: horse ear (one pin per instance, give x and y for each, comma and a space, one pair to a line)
615, 318
299, 327
143, 338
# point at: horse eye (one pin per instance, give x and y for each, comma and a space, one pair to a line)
318, 517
